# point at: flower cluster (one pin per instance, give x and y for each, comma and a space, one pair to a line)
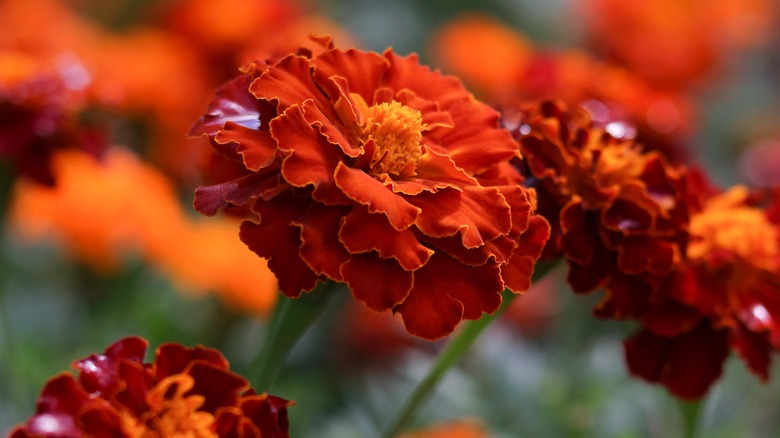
184, 392
377, 172
697, 268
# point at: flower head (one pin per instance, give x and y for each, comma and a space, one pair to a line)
39, 114
726, 293
618, 212
377, 172
184, 392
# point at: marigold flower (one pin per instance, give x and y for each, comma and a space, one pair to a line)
617, 211
39, 113
377, 172
727, 293
95, 214
183, 392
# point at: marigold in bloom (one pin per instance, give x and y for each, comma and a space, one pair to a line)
39, 114
728, 295
96, 214
617, 211
377, 172
183, 392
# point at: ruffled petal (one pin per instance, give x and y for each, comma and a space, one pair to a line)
289, 82
310, 158
379, 283
365, 190
517, 272
362, 232
480, 214
321, 248
362, 71
257, 148
233, 103
276, 239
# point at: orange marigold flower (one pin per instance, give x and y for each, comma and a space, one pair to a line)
727, 290
95, 215
676, 43
498, 61
39, 114
617, 210
183, 392
375, 171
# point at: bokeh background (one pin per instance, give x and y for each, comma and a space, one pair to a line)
116, 248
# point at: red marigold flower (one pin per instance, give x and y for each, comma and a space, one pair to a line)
726, 293
185, 391
377, 172
39, 113
617, 210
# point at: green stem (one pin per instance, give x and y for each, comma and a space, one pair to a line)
291, 319
690, 412
450, 356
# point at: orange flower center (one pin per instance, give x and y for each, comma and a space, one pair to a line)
728, 225
397, 134
171, 413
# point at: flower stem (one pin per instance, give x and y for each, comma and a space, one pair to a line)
690, 412
450, 356
290, 320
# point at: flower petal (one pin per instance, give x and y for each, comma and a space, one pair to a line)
380, 283
233, 103
321, 248
257, 148
480, 214
276, 238
517, 272
362, 231
311, 159
289, 82
362, 71
365, 190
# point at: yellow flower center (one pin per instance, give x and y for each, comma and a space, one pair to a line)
171, 414
397, 133
726, 224
617, 162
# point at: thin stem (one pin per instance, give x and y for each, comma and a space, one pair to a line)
690, 412
450, 356
290, 320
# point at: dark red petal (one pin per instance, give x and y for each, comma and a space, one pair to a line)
480, 214
753, 348
269, 414
278, 240
625, 297
517, 272
437, 303
311, 159
579, 235
362, 231
101, 420
380, 283
233, 103
289, 82
257, 148
670, 318
365, 190
219, 386
639, 254
321, 248
687, 365
626, 216
136, 381
499, 249
99, 372
173, 358
209, 199
362, 71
